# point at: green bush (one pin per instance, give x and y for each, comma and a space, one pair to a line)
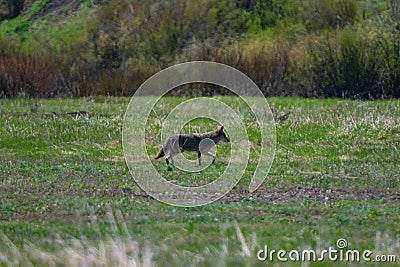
355, 62
330, 13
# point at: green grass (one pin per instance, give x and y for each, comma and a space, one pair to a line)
66, 192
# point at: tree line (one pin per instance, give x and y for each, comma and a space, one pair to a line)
327, 48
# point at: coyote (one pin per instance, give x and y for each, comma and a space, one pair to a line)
200, 143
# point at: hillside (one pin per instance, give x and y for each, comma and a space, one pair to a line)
46, 21
328, 48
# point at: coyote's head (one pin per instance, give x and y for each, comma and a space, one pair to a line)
221, 134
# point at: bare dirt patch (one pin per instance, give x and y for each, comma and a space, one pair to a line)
302, 193
278, 194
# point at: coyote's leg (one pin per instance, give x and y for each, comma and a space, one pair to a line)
211, 155
170, 158
199, 157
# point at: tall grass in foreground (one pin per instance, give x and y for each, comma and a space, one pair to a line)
109, 250
116, 249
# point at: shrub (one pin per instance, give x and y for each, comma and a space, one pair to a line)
266, 63
29, 75
347, 63
330, 13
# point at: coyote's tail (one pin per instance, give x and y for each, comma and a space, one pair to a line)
160, 154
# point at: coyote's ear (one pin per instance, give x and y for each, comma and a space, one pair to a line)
220, 128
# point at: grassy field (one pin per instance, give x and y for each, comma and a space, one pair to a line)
67, 198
